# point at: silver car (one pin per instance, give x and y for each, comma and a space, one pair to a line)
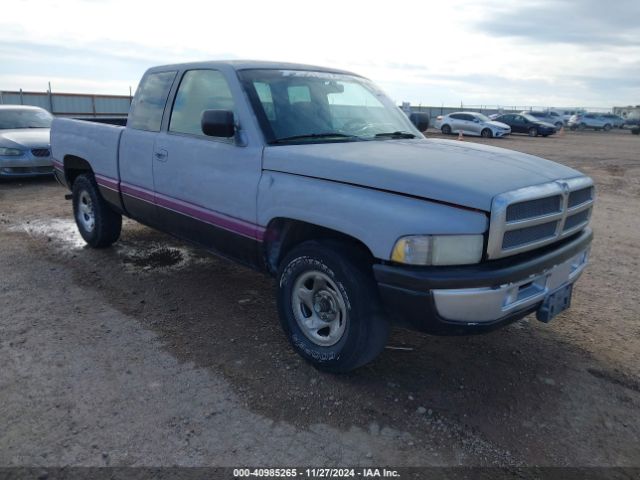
471, 123
589, 120
24, 141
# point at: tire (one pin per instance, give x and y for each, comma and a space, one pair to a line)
446, 130
559, 125
533, 132
545, 135
582, 126
487, 133
338, 284
97, 222
607, 127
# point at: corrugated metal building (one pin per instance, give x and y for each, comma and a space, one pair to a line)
77, 105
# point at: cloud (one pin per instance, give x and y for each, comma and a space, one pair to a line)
585, 23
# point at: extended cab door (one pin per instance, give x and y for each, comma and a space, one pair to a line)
206, 187
137, 142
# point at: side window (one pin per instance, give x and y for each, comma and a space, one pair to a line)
467, 117
150, 100
456, 116
199, 90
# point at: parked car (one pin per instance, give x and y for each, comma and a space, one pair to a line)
567, 114
525, 123
589, 120
616, 120
471, 123
551, 118
24, 141
314, 176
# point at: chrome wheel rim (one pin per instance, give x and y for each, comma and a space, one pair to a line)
85, 214
319, 308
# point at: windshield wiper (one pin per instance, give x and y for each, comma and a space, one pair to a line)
397, 134
312, 136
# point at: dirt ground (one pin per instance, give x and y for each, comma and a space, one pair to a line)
153, 353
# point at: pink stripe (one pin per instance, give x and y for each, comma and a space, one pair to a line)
214, 218
106, 182
138, 192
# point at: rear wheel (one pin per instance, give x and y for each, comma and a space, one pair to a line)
533, 132
607, 127
582, 126
486, 133
446, 129
97, 222
329, 307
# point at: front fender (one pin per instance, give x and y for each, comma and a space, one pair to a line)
376, 218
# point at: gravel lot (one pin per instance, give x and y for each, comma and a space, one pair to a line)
153, 353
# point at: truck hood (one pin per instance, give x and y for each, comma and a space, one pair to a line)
460, 173
25, 138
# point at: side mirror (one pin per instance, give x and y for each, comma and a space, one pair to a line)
420, 121
218, 123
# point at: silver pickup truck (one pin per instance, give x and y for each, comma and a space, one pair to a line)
314, 176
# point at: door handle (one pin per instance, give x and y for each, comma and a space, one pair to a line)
161, 155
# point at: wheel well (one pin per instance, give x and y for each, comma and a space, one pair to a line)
283, 234
74, 166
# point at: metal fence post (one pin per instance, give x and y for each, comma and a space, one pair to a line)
50, 99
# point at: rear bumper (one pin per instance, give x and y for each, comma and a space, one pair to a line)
483, 297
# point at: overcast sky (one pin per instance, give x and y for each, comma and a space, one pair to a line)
533, 53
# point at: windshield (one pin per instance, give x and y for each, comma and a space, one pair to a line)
312, 107
24, 118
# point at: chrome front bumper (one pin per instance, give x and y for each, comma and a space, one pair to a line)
486, 304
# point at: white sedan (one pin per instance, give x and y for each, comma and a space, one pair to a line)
471, 123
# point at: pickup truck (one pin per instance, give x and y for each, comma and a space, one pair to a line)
315, 177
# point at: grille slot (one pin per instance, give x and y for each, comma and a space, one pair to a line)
580, 196
41, 152
534, 208
523, 236
576, 219
26, 170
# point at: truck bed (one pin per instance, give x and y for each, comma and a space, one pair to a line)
89, 140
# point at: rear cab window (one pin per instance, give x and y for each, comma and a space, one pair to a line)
150, 100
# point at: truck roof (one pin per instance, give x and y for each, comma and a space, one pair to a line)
248, 65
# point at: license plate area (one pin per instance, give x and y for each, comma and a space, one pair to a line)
555, 303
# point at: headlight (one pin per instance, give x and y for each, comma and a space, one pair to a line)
438, 249
10, 152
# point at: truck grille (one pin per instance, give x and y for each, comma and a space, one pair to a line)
531, 217
40, 152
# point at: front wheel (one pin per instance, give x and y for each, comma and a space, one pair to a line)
328, 306
607, 127
486, 133
97, 222
533, 132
